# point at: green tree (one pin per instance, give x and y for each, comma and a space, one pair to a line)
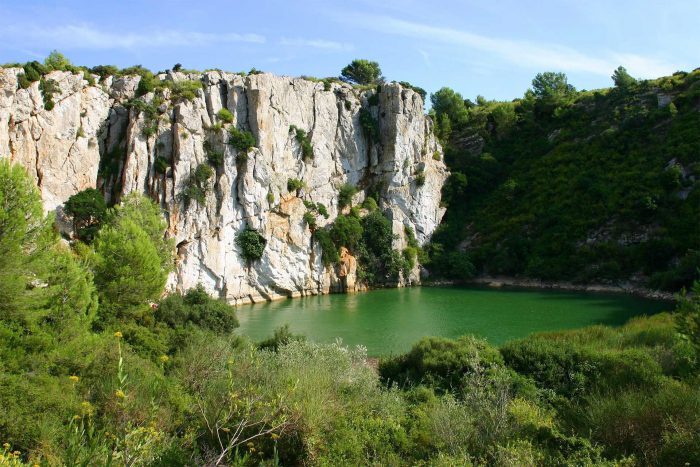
87, 209
133, 258
622, 79
71, 298
346, 231
251, 243
24, 235
551, 85
148, 216
450, 103
361, 71
57, 61
128, 270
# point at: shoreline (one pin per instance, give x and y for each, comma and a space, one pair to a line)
496, 282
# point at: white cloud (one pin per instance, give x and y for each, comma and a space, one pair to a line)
81, 36
315, 43
521, 53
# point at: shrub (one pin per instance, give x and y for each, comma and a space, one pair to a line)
88, 210
281, 337
270, 197
322, 210
310, 219
420, 178
23, 81
241, 140
48, 88
225, 115
294, 185
186, 89
440, 363
197, 185
251, 243
370, 204
302, 138
370, 125
161, 165
345, 194
196, 308
215, 158
346, 231
329, 252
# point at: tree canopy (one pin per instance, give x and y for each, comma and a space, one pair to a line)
361, 71
551, 85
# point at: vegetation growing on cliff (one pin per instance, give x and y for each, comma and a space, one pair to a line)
574, 185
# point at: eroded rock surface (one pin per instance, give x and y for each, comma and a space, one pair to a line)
94, 138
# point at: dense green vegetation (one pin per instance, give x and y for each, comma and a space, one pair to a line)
574, 185
97, 369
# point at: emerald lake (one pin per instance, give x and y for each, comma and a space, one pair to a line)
389, 321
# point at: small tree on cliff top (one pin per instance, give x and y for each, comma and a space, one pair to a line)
361, 71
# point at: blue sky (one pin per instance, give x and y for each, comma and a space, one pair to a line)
487, 47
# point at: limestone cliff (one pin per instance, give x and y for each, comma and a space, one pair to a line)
96, 137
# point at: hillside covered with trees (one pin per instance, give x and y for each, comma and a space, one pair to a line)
583, 186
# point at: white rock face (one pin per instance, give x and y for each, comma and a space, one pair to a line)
92, 138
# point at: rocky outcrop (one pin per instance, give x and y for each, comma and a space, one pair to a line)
96, 137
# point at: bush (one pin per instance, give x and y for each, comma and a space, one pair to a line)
215, 158
225, 115
294, 185
370, 204
440, 363
281, 337
322, 210
302, 138
241, 140
329, 252
310, 219
196, 308
345, 194
370, 125
186, 89
88, 210
251, 243
197, 185
161, 165
48, 88
346, 231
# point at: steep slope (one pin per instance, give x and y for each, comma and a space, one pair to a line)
590, 186
104, 136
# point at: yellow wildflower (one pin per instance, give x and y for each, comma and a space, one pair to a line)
74, 378
274, 436
164, 358
120, 394
76, 417
118, 335
250, 444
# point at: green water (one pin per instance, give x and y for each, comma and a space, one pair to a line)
389, 321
